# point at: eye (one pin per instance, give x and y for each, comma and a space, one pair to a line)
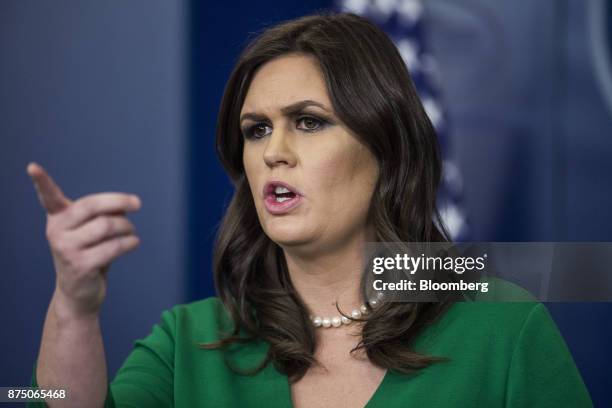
310, 123
257, 131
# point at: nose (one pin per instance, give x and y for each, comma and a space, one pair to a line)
279, 150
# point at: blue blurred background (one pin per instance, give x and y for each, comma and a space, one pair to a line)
123, 96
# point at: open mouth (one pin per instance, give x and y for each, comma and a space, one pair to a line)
282, 194
280, 197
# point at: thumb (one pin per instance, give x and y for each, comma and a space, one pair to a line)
50, 195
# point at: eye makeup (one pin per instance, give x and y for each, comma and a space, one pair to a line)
304, 121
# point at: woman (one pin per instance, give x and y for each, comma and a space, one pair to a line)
329, 147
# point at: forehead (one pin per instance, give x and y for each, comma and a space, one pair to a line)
283, 81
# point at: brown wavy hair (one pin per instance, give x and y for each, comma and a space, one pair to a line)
372, 94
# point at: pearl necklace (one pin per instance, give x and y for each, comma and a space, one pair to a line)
337, 321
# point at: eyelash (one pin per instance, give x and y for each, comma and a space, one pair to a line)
249, 133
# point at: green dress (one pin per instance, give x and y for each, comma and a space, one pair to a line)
501, 355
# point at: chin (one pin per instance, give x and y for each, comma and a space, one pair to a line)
286, 234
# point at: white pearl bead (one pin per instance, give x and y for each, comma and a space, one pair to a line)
337, 321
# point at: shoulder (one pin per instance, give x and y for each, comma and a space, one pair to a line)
470, 330
510, 348
501, 290
210, 306
504, 307
498, 316
203, 319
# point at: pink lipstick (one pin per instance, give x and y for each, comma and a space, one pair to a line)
280, 197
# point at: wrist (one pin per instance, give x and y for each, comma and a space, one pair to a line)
66, 311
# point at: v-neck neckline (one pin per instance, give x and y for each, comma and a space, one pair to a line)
377, 391
369, 404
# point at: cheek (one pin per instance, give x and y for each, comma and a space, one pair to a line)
344, 179
253, 173
250, 164
247, 162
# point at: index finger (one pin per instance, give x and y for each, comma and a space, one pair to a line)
93, 205
49, 194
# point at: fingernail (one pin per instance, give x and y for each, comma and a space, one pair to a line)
136, 200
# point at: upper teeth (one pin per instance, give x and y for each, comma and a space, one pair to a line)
281, 190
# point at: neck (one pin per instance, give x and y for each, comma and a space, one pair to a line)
326, 277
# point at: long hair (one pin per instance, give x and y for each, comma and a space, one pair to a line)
372, 94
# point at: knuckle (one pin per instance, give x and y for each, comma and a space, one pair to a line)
117, 246
97, 228
106, 226
59, 246
84, 208
127, 224
75, 211
52, 228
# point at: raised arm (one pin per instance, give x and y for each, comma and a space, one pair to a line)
84, 236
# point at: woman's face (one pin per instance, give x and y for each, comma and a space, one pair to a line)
310, 177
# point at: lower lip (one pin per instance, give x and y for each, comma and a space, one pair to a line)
277, 208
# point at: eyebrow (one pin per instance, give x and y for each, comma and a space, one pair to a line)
287, 110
